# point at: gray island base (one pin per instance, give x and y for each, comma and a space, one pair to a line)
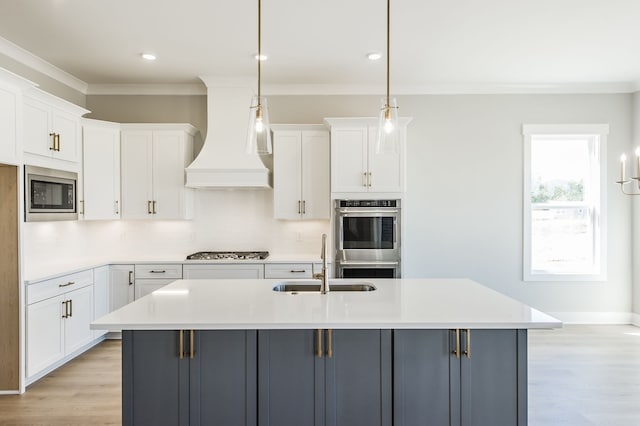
412, 352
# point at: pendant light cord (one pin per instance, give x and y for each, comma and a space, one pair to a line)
259, 45
388, 48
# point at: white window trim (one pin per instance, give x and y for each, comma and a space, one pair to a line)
528, 130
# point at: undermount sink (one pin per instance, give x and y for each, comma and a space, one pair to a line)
313, 286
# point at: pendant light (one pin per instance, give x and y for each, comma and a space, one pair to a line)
387, 138
259, 134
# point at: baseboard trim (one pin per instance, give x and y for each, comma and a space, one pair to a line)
9, 392
635, 319
596, 317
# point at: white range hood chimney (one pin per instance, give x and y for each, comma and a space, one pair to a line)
223, 161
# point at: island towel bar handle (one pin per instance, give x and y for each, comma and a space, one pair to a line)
467, 349
181, 344
330, 343
457, 349
192, 350
67, 284
319, 343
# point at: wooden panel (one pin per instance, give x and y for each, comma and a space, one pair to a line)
9, 284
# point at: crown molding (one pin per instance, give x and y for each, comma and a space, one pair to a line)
147, 89
36, 63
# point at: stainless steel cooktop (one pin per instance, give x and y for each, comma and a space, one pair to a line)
229, 255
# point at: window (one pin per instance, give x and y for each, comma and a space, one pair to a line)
564, 193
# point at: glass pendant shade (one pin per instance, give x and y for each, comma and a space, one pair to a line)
387, 136
259, 132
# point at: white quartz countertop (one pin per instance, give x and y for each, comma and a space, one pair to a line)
252, 304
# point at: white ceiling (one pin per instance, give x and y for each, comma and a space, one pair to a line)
436, 45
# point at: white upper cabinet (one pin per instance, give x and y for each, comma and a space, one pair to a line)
11, 87
100, 199
153, 159
51, 129
301, 172
356, 167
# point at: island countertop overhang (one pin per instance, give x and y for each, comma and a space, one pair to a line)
396, 303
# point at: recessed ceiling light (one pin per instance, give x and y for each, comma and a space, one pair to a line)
262, 57
148, 56
374, 56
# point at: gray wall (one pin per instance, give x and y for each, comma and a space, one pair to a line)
464, 197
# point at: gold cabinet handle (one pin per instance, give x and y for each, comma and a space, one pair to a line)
181, 344
57, 139
457, 349
53, 142
319, 343
467, 349
192, 350
81, 206
330, 343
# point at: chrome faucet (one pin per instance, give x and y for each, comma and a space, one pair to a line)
324, 276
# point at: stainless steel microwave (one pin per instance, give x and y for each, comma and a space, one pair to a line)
49, 194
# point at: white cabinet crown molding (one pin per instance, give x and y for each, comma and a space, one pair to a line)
184, 127
56, 102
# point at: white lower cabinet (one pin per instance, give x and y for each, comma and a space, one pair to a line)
149, 278
59, 312
100, 295
121, 286
224, 271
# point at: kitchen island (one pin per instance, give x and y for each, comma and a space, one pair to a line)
235, 352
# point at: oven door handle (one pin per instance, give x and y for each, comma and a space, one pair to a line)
368, 264
346, 211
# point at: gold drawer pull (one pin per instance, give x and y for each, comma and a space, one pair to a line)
181, 344
319, 343
330, 343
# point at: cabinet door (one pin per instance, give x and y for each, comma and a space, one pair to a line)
45, 343
36, 138
76, 327
287, 185
101, 173
349, 159
358, 378
148, 286
8, 147
316, 195
290, 379
155, 381
121, 286
387, 169
136, 169
100, 295
223, 378
168, 174
493, 379
426, 379
66, 126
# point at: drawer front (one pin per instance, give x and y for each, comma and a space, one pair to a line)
159, 270
224, 271
288, 270
57, 286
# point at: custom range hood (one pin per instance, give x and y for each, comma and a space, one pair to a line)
223, 162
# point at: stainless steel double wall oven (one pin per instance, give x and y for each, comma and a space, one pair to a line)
367, 238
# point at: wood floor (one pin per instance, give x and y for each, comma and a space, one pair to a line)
578, 376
